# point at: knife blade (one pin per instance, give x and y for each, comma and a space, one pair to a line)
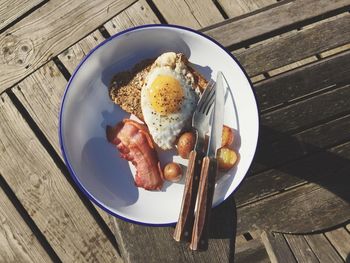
218, 117
209, 171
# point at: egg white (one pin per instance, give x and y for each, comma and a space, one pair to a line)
165, 128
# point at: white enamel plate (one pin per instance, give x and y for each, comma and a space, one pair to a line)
86, 110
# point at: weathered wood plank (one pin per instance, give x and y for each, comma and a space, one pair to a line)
46, 195
300, 44
280, 148
17, 241
41, 94
315, 168
234, 8
157, 244
308, 112
340, 239
190, 13
322, 248
333, 51
73, 55
303, 81
10, 10
297, 210
301, 249
47, 32
252, 251
291, 66
306, 208
277, 248
47, 95
235, 31
137, 14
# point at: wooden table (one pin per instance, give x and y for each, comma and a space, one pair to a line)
294, 203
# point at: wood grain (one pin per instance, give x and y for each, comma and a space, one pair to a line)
333, 51
47, 32
279, 148
234, 8
303, 81
277, 248
185, 221
17, 241
10, 10
323, 250
308, 112
299, 210
300, 44
292, 174
301, 249
41, 94
137, 14
190, 13
204, 204
221, 243
327, 171
252, 251
340, 239
291, 66
72, 56
234, 31
46, 195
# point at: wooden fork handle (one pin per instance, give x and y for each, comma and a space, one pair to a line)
205, 199
184, 225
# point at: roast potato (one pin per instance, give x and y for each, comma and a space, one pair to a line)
172, 172
185, 144
226, 158
227, 136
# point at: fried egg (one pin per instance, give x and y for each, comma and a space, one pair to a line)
168, 98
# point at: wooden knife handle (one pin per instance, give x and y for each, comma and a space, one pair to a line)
205, 199
184, 225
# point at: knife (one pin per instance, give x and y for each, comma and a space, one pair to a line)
184, 226
209, 172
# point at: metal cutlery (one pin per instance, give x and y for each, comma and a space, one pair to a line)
200, 124
209, 171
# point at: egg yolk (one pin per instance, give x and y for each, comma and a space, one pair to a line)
166, 95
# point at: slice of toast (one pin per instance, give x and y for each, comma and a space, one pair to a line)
125, 88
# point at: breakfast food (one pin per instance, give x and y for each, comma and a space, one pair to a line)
172, 172
135, 144
226, 158
163, 93
168, 98
227, 136
125, 88
186, 144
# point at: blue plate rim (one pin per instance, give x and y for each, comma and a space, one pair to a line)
70, 169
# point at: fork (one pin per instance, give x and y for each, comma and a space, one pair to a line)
200, 126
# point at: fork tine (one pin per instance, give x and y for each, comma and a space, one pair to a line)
209, 105
208, 91
207, 102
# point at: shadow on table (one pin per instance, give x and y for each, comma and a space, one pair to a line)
302, 158
223, 224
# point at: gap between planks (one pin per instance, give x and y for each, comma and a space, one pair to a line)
68, 226
115, 27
